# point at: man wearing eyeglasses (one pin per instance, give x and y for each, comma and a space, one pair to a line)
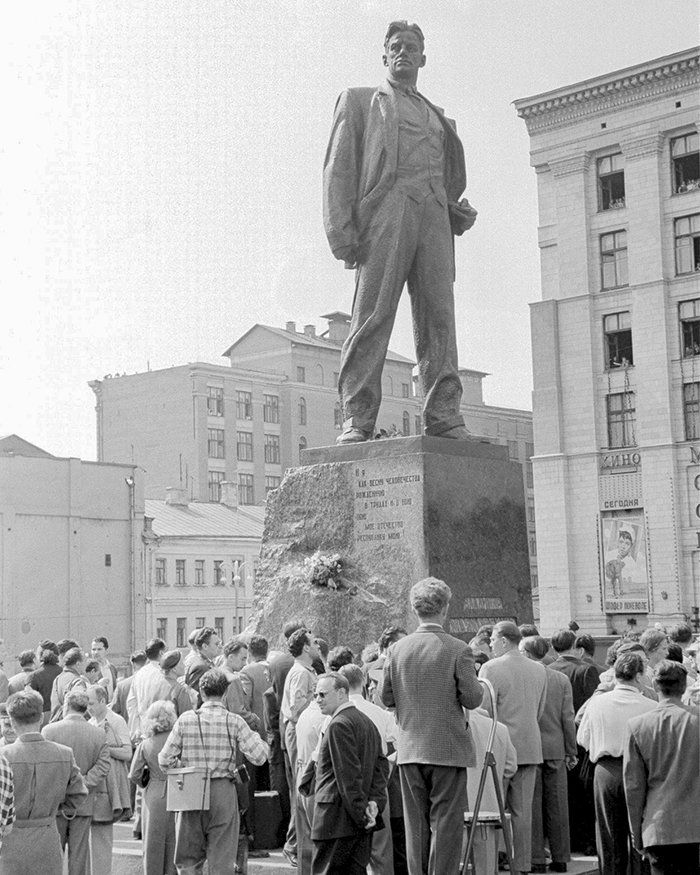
350, 782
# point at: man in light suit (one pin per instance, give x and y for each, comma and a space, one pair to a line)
520, 686
89, 746
550, 806
350, 783
393, 174
661, 774
429, 678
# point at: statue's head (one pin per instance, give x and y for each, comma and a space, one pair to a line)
403, 25
403, 51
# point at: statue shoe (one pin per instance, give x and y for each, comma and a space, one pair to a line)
352, 435
458, 433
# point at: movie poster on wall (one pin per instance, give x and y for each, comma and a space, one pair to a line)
625, 576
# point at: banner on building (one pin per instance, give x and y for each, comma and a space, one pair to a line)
624, 560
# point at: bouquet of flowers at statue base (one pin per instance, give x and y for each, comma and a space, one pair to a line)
324, 570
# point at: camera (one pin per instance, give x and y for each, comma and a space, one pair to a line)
240, 774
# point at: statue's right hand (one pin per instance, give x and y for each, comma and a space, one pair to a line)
348, 254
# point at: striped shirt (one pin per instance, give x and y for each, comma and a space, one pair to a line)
218, 755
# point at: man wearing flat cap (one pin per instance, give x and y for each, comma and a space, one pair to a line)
393, 175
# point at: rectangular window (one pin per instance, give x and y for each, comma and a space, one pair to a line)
689, 314
219, 626
530, 512
271, 408
215, 443
244, 446
180, 572
533, 547
162, 629
691, 410
216, 478
611, 182
272, 449
513, 454
245, 489
180, 631
529, 450
301, 374
685, 157
199, 572
621, 419
419, 424
405, 390
238, 625
617, 328
200, 622
687, 234
219, 576
613, 259
272, 483
215, 401
244, 405
529, 481
161, 572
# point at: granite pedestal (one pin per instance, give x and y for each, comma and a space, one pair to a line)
396, 510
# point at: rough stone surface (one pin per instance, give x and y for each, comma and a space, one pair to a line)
411, 508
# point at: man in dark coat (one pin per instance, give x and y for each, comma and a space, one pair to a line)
350, 783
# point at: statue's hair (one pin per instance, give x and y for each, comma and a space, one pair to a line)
398, 26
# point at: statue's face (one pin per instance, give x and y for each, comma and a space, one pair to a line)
404, 55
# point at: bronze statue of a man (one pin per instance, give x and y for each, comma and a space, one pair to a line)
392, 179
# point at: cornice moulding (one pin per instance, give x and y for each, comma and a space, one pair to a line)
638, 84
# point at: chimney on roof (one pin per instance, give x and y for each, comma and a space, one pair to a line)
310, 330
229, 493
176, 495
472, 388
291, 327
338, 326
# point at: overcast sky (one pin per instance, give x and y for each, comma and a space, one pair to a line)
161, 176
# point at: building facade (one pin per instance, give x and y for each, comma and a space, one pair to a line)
70, 551
200, 564
616, 346
199, 425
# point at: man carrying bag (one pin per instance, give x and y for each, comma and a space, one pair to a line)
200, 755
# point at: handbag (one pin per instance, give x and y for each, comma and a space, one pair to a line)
189, 788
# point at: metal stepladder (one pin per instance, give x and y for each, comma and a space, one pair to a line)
489, 765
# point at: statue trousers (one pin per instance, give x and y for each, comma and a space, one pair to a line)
408, 241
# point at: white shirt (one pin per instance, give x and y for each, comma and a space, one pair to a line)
385, 721
604, 724
148, 686
308, 729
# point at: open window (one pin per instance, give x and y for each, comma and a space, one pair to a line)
611, 182
685, 160
687, 241
689, 315
617, 328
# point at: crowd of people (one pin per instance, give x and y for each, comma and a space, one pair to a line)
355, 763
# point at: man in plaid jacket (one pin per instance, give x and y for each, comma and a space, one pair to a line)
209, 738
429, 678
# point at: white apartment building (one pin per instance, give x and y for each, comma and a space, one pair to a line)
616, 346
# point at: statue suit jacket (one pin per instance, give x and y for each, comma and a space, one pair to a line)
429, 678
662, 776
360, 165
350, 772
520, 685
